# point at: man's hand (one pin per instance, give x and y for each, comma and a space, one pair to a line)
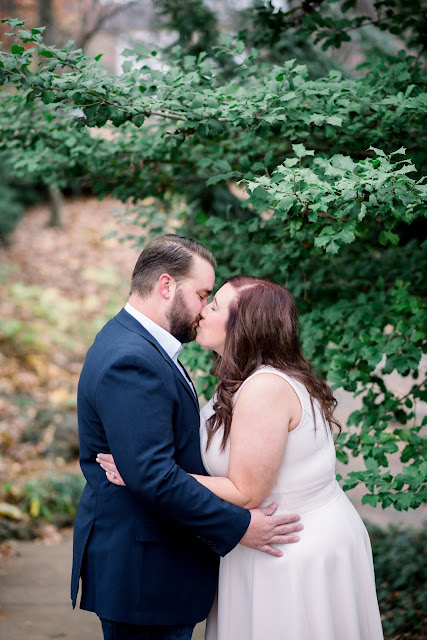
265, 529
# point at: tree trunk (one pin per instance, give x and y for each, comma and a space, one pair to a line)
47, 19
56, 202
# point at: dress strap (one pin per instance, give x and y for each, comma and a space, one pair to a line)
297, 386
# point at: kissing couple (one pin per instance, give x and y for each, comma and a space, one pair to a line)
267, 546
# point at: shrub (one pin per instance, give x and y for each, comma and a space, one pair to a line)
50, 498
401, 580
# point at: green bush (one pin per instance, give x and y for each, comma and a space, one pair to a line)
52, 498
15, 195
401, 580
11, 208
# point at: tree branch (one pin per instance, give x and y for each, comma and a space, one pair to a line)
84, 38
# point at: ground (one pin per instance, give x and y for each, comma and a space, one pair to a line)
34, 596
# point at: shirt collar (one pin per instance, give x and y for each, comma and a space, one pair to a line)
166, 340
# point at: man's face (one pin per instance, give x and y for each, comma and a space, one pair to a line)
190, 297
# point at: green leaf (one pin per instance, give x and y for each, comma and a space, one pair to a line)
401, 151
362, 212
404, 501
378, 152
285, 204
342, 457
348, 4
318, 118
16, 48
138, 119
291, 162
13, 22
328, 243
48, 97
370, 499
387, 237
336, 121
289, 95
300, 151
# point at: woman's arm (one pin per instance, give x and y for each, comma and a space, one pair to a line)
222, 487
226, 489
264, 410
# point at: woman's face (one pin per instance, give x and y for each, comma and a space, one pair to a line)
211, 330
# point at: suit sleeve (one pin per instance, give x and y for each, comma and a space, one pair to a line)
136, 404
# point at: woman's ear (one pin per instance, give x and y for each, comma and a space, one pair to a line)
167, 286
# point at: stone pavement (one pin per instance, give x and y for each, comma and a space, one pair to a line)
34, 595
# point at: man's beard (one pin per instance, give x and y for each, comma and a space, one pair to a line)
180, 320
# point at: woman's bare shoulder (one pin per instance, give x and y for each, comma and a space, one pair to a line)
265, 384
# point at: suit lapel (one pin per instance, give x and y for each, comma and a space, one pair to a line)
186, 385
187, 375
128, 321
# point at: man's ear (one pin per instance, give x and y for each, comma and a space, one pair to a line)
167, 286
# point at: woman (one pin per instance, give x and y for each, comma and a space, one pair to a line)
265, 437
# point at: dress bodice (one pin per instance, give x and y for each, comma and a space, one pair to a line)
323, 586
308, 465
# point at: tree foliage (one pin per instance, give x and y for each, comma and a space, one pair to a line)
333, 22
312, 181
196, 25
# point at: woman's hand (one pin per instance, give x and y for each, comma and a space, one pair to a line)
106, 461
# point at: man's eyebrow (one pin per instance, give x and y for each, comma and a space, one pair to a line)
205, 291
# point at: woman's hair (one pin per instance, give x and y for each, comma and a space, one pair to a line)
262, 329
168, 253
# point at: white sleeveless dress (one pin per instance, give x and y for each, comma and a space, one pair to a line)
323, 587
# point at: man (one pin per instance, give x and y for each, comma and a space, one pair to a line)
148, 554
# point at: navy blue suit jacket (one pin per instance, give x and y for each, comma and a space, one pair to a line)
147, 553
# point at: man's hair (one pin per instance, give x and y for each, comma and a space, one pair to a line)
170, 254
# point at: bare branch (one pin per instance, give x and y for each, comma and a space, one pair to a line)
103, 17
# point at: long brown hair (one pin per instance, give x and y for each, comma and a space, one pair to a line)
262, 329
